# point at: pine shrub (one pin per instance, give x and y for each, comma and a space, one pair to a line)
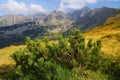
56, 61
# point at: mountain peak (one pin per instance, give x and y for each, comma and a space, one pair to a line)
76, 14
86, 8
54, 11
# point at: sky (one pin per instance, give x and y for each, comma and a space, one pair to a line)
25, 7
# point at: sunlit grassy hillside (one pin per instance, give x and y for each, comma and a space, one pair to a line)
5, 53
109, 33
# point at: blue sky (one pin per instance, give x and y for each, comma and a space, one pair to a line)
46, 6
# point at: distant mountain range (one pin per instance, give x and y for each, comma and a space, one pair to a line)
14, 28
95, 17
11, 19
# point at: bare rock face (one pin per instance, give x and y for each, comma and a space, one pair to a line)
57, 21
11, 19
77, 14
36, 16
57, 18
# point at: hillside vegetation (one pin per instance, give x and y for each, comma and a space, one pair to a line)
72, 58
109, 33
61, 61
78, 60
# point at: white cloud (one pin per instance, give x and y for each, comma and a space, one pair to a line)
37, 8
74, 4
14, 7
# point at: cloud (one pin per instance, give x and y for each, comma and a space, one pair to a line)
74, 4
37, 8
14, 7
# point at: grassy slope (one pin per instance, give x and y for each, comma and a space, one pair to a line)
5, 53
6, 67
109, 33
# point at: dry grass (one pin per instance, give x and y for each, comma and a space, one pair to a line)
5, 53
109, 33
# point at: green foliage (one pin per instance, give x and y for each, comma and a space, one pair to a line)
114, 67
58, 60
87, 56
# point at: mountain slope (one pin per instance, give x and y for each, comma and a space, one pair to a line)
58, 20
109, 33
96, 17
11, 19
55, 23
77, 14
16, 34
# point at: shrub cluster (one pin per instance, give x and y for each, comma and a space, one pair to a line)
41, 60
